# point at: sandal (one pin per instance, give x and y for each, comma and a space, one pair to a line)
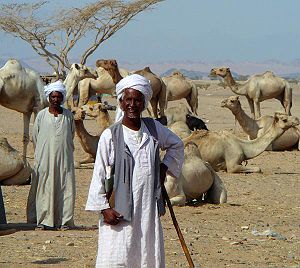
40, 227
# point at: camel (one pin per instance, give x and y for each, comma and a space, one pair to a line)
196, 179
223, 150
22, 90
158, 87
103, 84
77, 73
256, 127
159, 91
89, 142
13, 169
178, 87
258, 88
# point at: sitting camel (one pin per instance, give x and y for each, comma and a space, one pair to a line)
103, 84
223, 150
257, 127
13, 169
22, 90
77, 73
196, 179
158, 87
178, 87
258, 88
89, 142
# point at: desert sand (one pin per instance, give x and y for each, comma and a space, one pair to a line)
258, 227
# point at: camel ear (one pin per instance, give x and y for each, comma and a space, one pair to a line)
227, 69
76, 66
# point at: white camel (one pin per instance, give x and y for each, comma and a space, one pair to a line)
76, 73
258, 88
13, 169
22, 90
197, 180
256, 127
223, 150
178, 87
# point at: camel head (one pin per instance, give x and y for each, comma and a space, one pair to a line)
232, 103
191, 150
284, 121
94, 110
81, 71
107, 64
220, 71
78, 113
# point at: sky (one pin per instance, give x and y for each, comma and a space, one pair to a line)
197, 30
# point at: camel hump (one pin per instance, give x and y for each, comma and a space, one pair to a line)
178, 73
147, 69
268, 74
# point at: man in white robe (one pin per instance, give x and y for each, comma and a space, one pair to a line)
137, 242
51, 199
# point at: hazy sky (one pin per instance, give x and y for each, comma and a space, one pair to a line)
198, 30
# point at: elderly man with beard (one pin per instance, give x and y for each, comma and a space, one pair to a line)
51, 199
130, 231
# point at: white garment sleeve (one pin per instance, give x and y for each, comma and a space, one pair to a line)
173, 145
97, 200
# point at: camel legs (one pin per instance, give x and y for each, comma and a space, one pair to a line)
154, 103
84, 96
26, 121
242, 169
162, 99
287, 100
257, 109
251, 105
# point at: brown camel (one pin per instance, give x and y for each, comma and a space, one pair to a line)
256, 127
158, 87
223, 150
258, 88
89, 142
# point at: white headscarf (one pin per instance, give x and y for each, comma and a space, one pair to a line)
56, 86
137, 82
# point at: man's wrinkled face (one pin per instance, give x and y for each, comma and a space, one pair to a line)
132, 103
56, 98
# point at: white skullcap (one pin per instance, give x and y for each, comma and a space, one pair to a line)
56, 86
137, 82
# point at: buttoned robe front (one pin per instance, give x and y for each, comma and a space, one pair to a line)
138, 243
52, 195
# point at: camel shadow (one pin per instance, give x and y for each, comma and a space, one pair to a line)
50, 261
31, 227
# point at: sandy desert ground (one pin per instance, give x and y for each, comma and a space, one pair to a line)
229, 235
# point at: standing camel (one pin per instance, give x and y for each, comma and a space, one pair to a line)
76, 74
178, 87
103, 84
157, 84
22, 90
258, 88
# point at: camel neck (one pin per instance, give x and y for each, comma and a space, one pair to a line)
233, 85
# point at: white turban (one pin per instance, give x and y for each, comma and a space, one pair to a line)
136, 82
56, 86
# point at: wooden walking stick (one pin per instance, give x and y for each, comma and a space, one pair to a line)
175, 223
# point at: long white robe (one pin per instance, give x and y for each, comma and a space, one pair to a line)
138, 243
51, 199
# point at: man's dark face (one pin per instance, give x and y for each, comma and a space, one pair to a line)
55, 98
132, 103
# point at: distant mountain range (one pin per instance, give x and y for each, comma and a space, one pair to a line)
191, 69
